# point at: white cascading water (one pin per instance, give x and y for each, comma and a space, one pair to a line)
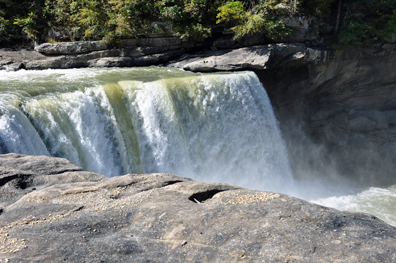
209, 127
212, 127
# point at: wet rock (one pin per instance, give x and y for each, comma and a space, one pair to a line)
343, 106
380, 119
152, 217
361, 124
391, 116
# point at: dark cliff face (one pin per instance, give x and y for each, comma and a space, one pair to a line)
338, 117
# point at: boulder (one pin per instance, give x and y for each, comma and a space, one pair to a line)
256, 57
60, 213
243, 58
391, 116
361, 124
151, 42
378, 117
301, 30
67, 48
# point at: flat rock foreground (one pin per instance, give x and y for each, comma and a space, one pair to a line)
52, 211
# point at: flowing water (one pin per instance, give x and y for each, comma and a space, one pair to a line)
209, 127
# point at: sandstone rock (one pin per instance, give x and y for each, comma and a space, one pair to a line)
335, 135
66, 48
327, 112
111, 62
250, 40
105, 58
224, 42
151, 42
301, 30
361, 124
307, 96
378, 117
166, 218
13, 66
391, 116
389, 47
142, 51
95, 54
20, 174
243, 58
257, 57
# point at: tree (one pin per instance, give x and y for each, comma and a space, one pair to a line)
262, 18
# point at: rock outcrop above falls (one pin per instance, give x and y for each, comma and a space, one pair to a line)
171, 51
79, 47
254, 58
50, 210
130, 52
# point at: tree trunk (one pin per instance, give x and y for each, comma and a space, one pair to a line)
338, 17
293, 6
42, 21
40, 13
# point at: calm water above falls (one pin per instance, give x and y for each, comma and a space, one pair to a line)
209, 127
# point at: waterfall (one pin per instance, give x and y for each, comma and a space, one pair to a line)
209, 127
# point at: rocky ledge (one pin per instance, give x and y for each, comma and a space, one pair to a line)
51, 210
170, 51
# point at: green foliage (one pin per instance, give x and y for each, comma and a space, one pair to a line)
189, 18
131, 18
318, 8
5, 35
85, 19
362, 22
92, 18
262, 18
29, 24
10, 10
231, 12
369, 22
359, 22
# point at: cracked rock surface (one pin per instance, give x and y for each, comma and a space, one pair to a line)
52, 211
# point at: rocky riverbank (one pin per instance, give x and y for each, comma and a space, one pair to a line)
92, 54
166, 51
51, 210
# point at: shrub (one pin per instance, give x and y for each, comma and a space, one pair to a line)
367, 22
261, 18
